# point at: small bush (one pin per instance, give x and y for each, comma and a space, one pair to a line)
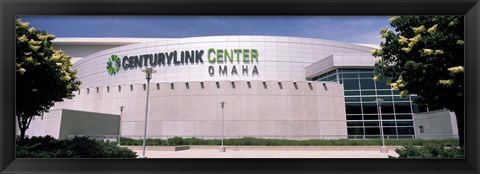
77, 147
429, 151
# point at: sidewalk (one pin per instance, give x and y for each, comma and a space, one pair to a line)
267, 152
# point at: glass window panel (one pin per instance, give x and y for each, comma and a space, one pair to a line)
366, 75
405, 130
323, 75
371, 123
387, 108
355, 131
349, 93
372, 131
354, 117
402, 107
367, 84
352, 99
353, 108
384, 92
382, 84
396, 92
369, 108
331, 72
368, 99
354, 123
365, 70
398, 98
404, 123
349, 70
388, 117
323, 79
350, 84
370, 117
387, 99
413, 98
332, 78
415, 108
350, 76
368, 92
388, 123
389, 131
403, 117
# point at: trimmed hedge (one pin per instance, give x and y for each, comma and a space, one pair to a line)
429, 151
250, 141
77, 147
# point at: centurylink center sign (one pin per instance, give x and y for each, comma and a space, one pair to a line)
222, 57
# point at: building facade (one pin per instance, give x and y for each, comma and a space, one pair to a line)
273, 86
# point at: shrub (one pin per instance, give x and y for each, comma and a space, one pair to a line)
429, 151
77, 147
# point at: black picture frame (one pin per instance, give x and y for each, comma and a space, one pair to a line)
9, 9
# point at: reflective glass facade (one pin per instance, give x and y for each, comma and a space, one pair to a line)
361, 91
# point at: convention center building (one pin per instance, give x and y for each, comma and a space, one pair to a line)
271, 87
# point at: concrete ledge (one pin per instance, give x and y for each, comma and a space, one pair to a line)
178, 148
284, 148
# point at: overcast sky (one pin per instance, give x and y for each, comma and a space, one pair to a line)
354, 29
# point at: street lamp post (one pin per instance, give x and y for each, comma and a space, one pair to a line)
222, 148
379, 101
148, 72
120, 124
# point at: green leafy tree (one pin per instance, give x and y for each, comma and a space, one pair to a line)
44, 75
424, 55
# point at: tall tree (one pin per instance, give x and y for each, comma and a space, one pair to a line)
424, 55
44, 75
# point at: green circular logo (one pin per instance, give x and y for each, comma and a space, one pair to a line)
113, 64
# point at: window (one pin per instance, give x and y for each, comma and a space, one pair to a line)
354, 117
420, 128
369, 107
398, 98
349, 93
367, 75
388, 117
402, 107
404, 123
371, 123
387, 107
367, 84
368, 99
372, 131
355, 131
389, 131
350, 76
384, 92
388, 123
368, 92
353, 108
352, 99
404, 116
370, 117
405, 130
354, 123
382, 85
350, 84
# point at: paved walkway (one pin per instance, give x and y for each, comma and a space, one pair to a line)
275, 152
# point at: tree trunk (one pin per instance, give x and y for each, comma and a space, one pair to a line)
22, 127
22, 134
